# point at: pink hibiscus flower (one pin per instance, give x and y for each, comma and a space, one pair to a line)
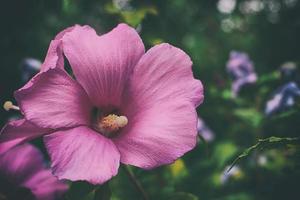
123, 105
24, 176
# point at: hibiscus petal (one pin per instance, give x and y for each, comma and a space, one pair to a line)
164, 73
159, 135
102, 64
20, 163
54, 57
17, 132
24, 166
45, 186
160, 107
54, 100
82, 154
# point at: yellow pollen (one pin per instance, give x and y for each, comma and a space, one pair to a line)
112, 123
8, 105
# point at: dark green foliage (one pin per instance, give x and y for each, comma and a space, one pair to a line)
199, 29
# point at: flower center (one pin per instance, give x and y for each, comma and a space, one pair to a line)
110, 124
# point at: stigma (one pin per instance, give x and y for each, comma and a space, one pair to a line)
8, 105
111, 124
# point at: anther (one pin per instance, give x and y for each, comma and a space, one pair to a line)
112, 123
121, 121
8, 105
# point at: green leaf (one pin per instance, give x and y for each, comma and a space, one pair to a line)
249, 115
68, 7
80, 191
238, 196
103, 192
84, 191
285, 114
178, 169
134, 18
223, 152
268, 77
226, 94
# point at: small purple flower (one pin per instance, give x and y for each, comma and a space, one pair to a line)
288, 68
24, 176
288, 71
29, 67
205, 131
283, 98
241, 70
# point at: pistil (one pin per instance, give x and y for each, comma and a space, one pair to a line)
8, 105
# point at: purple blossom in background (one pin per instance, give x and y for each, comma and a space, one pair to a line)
204, 131
288, 71
23, 176
283, 98
288, 68
241, 70
29, 67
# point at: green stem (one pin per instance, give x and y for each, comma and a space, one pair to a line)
262, 143
136, 183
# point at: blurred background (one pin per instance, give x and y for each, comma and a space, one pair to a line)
246, 52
